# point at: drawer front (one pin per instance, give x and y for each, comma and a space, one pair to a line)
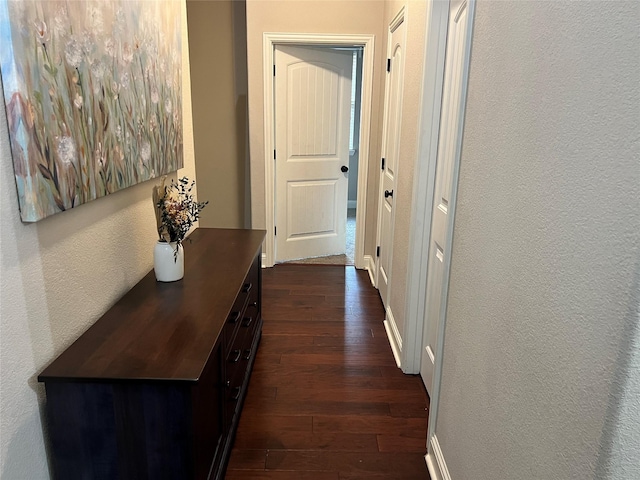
247, 331
239, 353
236, 370
236, 315
237, 363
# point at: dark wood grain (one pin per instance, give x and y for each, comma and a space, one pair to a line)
154, 389
280, 475
155, 323
326, 400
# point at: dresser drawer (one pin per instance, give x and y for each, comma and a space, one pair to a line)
235, 384
236, 358
237, 313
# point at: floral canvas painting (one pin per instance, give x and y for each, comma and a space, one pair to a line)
93, 98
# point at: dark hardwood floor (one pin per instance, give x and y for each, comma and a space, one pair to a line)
326, 400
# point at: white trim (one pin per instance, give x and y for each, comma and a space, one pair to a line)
268, 129
395, 340
424, 183
370, 266
269, 40
264, 260
430, 354
427, 373
435, 462
395, 23
352, 204
397, 20
437, 370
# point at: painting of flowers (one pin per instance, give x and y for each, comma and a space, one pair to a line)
93, 98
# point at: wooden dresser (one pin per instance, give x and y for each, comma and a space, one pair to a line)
154, 389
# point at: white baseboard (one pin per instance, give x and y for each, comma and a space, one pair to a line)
370, 266
395, 340
352, 203
435, 461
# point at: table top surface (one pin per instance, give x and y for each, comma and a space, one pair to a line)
165, 331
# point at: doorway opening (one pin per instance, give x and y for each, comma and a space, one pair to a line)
363, 45
348, 257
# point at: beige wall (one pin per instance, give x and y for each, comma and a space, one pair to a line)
56, 278
219, 113
339, 17
415, 16
539, 359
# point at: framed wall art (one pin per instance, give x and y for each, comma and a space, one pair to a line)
93, 97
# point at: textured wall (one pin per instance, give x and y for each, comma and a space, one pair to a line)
56, 278
621, 461
546, 251
313, 16
218, 114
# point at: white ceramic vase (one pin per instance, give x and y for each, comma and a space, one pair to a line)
167, 265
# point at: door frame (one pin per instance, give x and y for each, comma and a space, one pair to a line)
269, 41
424, 174
395, 339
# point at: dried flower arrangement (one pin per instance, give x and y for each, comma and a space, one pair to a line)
176, 210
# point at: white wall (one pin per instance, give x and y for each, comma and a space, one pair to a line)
56, 278
546, 255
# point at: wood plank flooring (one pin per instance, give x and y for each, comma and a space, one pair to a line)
326, 400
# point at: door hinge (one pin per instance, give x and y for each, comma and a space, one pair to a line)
388, 64
274, 153
378, 251
274, 70
382, 163
275, 230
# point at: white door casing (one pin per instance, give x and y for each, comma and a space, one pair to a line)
437, 15
390, 152
389, 171
460, 33
312, 111
270, 40
449, 144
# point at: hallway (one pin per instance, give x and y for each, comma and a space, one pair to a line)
326, 400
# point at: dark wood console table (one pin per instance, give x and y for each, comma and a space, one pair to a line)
154, 389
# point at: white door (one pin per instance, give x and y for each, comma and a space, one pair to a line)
451, 119
312, 113
390, 154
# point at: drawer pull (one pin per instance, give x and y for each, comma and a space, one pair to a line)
237, 356
246, 321
247, 354
234, 317
227, 383
236, 393
246, 288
